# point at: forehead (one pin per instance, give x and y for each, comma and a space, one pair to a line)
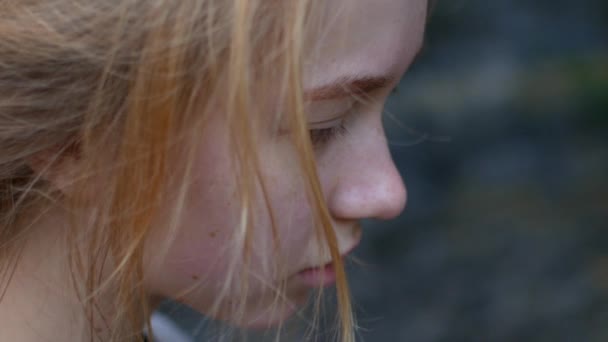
361, 37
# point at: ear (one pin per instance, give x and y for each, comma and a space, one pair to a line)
57, 165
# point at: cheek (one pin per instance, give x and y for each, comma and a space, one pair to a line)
204, 246
294, 223
198, 248
289, 206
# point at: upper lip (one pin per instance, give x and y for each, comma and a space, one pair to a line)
348, 251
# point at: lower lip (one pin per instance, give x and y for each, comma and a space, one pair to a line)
318, 277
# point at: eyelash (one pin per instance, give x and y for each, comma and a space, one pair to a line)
322, 136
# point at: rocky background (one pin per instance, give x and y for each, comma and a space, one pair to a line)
501, 133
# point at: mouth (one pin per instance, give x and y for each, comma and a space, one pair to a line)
318, 276
321, 276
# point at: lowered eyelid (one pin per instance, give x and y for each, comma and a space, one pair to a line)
322, 111
327, 123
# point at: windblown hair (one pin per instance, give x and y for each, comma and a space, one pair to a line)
123, 87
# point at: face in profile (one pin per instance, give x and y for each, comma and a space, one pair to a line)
365, 49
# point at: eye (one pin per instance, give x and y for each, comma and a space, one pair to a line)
322, 136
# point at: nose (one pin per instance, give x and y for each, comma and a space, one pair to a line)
368, 184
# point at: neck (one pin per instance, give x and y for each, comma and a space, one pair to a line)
40, 302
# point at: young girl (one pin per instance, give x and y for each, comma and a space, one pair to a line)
216, 152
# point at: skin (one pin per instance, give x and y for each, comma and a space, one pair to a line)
368, 39
358, 177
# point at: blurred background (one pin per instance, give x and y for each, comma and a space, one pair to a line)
505, 155
500, 131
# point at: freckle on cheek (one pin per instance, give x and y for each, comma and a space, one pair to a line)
195, 277
213, 234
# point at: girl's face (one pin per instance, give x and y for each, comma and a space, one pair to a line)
367, 48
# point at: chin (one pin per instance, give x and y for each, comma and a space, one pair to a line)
274, 313
262, 312
267, 319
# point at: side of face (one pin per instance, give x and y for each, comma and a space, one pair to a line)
366, 40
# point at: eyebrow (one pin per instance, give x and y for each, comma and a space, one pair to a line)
354, 85
348, 86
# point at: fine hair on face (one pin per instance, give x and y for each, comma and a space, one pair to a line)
105, 107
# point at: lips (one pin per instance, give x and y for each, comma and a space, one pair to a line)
325, 274
318, 276
321, 276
